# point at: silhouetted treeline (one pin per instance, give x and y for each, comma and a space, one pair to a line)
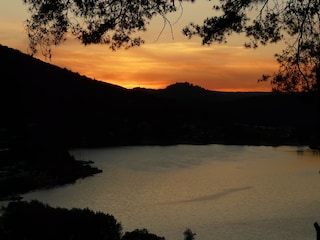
34, 220
37, 221
44, 104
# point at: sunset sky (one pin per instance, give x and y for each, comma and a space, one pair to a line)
163, 60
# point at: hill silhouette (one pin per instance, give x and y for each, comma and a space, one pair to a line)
46, 110
43, 104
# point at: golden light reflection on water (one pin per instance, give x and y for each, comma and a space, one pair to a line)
220, 192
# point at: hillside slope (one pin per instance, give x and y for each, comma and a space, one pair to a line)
42, 104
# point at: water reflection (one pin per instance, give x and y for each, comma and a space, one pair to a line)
214, 196
313, 152
228, 192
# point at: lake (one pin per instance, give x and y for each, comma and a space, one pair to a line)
218, 191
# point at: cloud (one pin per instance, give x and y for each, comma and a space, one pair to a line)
157, 65
171, 58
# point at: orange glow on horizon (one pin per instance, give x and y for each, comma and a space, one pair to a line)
156, 66
166, 58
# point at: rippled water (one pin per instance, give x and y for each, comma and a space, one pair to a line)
218, 191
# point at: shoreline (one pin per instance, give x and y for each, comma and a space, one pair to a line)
22, 174
18, 177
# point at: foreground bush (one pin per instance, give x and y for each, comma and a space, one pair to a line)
34, 220
141, 234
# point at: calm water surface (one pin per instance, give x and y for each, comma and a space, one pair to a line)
220, 192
